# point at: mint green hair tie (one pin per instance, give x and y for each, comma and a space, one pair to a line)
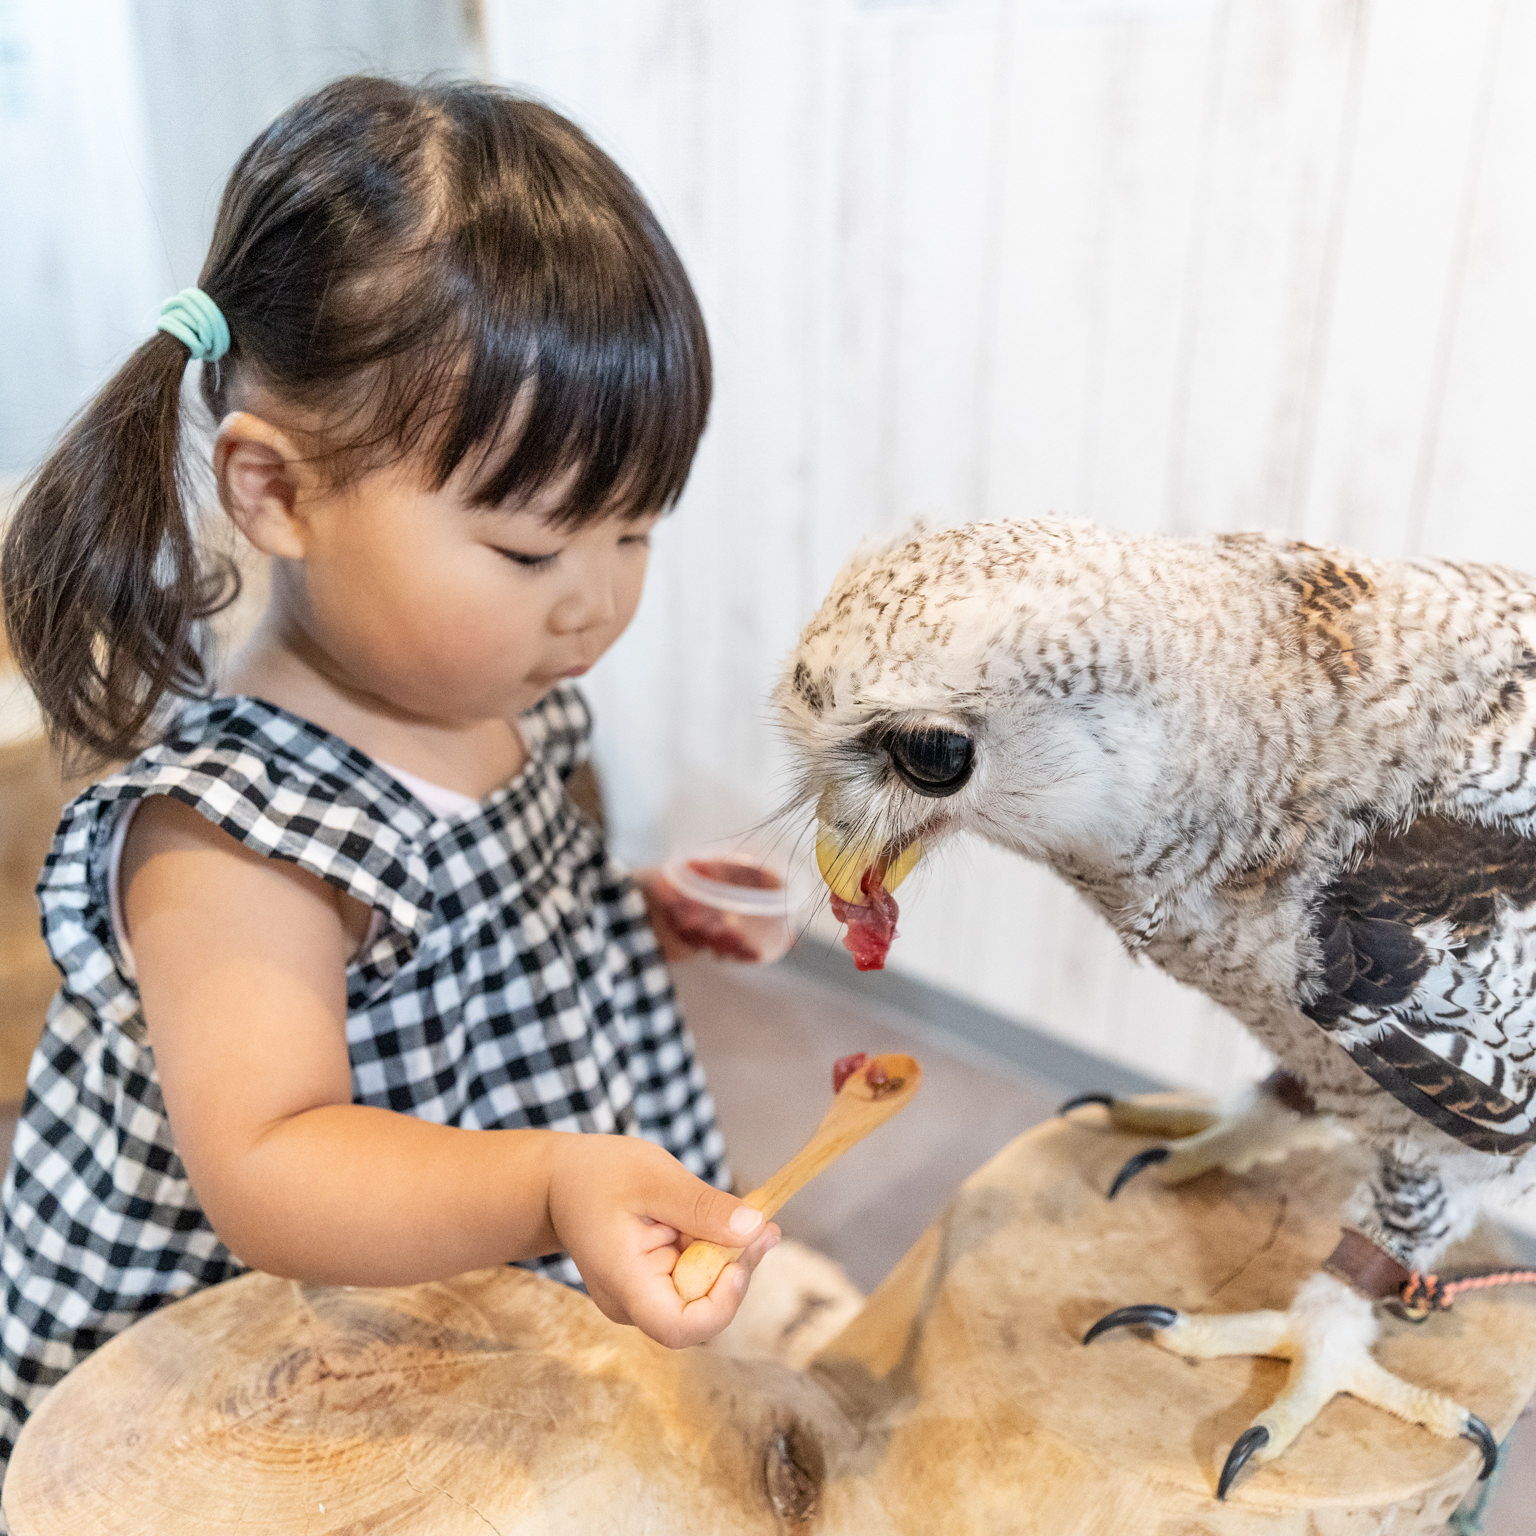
194, 320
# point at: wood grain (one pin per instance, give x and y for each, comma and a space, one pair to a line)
32, 793
960, 1399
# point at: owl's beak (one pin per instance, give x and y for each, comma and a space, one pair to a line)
843, 866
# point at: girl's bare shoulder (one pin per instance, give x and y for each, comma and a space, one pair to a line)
195, 862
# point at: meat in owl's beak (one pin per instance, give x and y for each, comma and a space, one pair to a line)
861, 878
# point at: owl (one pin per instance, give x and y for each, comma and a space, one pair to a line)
1299, 781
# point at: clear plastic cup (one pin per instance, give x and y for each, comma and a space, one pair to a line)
728, 904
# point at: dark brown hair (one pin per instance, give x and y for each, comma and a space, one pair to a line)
416, 268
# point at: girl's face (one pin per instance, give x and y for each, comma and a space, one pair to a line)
444, 611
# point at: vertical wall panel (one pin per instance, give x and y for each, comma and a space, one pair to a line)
1189, 264
79, 268
1423, 98
1279, 132
1479, 486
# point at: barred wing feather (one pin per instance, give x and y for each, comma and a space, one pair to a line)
1428, 976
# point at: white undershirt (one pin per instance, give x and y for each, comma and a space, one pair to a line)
444, 803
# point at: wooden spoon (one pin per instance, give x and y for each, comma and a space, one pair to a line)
858, 1108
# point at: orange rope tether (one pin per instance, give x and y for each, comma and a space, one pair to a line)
1422, 1294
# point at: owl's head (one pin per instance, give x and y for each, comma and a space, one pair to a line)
989, 679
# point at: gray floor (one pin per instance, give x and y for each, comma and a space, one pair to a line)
767, 1038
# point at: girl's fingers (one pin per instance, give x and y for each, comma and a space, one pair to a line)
652, 1304
676, 1199
752, 1255
658, 1235
657, 1310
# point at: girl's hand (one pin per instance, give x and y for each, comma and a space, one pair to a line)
624, 1210
684, 927
659, 900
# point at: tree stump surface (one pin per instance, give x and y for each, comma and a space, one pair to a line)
960, 1399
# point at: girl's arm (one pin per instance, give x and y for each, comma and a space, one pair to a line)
241, 963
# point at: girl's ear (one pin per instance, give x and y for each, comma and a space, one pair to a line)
262, 482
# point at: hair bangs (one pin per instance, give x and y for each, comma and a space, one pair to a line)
623, 417
622, 407
583, 348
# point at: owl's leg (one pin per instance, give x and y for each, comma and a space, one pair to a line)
1274, 1119
1327, 1332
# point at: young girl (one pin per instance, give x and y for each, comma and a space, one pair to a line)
342, 969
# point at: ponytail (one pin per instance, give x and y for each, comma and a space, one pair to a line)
100, 575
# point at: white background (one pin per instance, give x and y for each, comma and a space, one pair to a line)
1184, 264
1165, 265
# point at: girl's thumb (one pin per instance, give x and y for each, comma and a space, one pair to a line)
697, 1209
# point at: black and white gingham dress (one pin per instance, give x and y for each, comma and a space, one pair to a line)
512, 980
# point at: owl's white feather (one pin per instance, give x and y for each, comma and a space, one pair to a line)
1211, 739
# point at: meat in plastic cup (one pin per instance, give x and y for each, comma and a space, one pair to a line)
727, 904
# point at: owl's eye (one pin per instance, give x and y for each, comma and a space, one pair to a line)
933, 761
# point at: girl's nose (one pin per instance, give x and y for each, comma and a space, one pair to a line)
591, 605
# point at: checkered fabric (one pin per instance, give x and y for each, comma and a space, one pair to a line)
514, 981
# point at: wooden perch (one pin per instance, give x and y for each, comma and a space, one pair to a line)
959, 1400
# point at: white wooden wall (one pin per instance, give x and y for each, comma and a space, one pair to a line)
78, 267
1164, 263
119, 123
1188, 264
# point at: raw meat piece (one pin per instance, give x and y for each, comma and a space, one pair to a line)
730, 872
844, 1068
880, 1082
871, 927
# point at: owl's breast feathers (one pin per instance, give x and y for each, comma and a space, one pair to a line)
1428, 970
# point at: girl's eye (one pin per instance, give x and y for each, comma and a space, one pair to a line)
637, 540
529, 562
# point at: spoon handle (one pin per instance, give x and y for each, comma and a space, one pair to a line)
700, 1266
849, 1120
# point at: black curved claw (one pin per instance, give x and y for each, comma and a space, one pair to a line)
1482, 1437
1106, 1099
1144, 1316
1142, 1160
1252, 1439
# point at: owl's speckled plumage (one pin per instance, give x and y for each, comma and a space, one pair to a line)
1302, 782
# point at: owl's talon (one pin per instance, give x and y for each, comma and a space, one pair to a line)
1144, 1316
1143, 1159
1084, 1099
1482, 1437
1252, 1439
